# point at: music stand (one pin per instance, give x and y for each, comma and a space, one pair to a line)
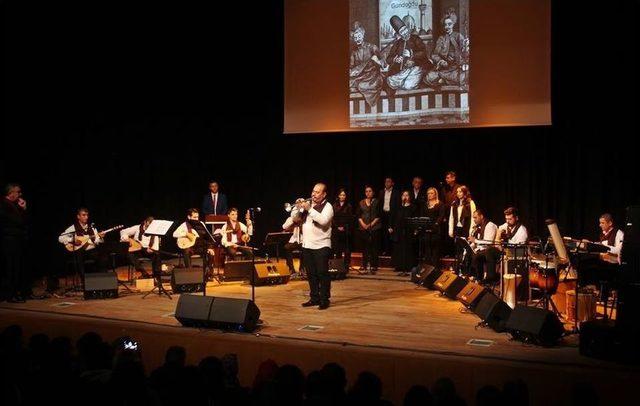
420, 225
277, 239
158, 228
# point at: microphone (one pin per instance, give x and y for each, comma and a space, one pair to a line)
256, 209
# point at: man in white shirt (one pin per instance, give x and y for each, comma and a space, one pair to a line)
235, 235
512, 232
483, 236
604, 268
150, 247
316, 246
189, 229
76, 233
390, 199
611, 237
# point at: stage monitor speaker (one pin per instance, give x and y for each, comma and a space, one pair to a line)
493, 311
471, 294
418, 271
101, 285
536, 325
217, 312
271, 273
240, 270
428, 276
194, 310
337, 269
186, 280
450, 284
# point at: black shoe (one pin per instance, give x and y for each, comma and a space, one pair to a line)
324, 305
310, 303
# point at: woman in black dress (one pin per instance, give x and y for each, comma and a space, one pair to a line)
369, 227
403, 252
436, 211
341, 233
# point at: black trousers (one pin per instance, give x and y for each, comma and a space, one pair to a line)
15, 278
246, 252
316, 263
134, 259
288, 254
432, 249
197, 249
490, 258
342, 246
94, 260
370, 247
387, 242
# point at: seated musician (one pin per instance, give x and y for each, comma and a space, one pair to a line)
86, 239
148, 247
512, 232
293, 224
482, 237
604, 267
236, 235
189, 229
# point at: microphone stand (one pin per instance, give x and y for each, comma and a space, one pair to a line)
205, 259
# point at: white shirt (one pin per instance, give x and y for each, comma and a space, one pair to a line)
387, 200
617, 247
182, 231
145, 240
472, 207
66, 238
317, 228
214, 202
296, 237
487, 238
234, 237
520, 237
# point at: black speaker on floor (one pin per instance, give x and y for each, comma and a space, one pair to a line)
186, 280
337, 269
217, 312
101, 285
428, 276
240, 270
418, 271
536, 325
493, 311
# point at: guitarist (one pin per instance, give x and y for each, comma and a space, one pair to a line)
148, 247
236, 235
189, 229
88, 250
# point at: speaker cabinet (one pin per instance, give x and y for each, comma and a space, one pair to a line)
101, 285
337, 269
471, 294
217, 312
450, 284
533, 324
271, 273
493, 311
240, 270
186, 280
429, 276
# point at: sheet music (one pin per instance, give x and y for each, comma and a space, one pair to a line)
159, 227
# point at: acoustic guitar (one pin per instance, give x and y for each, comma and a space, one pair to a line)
82, 241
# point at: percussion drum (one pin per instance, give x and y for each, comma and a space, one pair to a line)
586, 306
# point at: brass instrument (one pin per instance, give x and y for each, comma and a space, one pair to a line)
289, 206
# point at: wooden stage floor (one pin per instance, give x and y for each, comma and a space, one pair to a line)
382, 323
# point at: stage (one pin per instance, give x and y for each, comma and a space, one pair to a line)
384, 323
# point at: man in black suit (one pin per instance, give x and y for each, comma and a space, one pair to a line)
417, 193
14, 276
214, 202
389, 198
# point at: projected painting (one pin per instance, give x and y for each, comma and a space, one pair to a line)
409, 63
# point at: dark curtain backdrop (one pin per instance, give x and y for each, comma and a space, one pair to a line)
130, 110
